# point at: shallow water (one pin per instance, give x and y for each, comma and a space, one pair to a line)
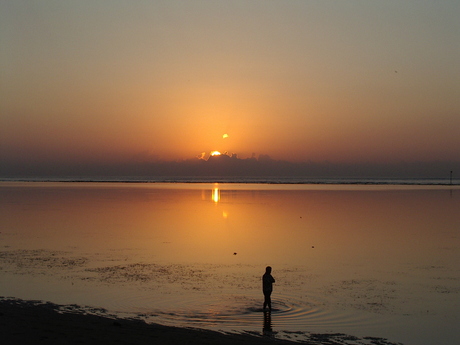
380, 261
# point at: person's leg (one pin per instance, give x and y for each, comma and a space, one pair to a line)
266, 299
269, 301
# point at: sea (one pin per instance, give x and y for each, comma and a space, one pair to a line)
356, 261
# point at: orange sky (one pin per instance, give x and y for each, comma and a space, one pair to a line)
299, 80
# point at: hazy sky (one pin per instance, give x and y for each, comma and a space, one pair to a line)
343, 81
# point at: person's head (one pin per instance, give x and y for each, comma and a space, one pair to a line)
268, 270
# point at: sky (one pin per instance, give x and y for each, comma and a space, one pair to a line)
97, 81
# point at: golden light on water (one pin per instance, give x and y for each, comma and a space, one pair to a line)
215, 194
286, 220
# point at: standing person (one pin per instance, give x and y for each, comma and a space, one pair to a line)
267, 287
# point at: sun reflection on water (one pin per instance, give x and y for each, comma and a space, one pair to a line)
215, 194
329, 247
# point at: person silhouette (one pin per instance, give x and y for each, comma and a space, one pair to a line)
267, 287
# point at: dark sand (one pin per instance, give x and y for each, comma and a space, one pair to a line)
35, 322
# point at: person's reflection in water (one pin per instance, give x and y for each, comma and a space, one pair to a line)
267, 287
267, 330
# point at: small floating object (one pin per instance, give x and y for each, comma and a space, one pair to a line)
235, 253
313, 246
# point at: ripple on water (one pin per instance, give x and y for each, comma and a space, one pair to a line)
234, 311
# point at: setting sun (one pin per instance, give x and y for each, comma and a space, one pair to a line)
158, 106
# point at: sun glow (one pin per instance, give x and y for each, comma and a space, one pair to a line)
215, 153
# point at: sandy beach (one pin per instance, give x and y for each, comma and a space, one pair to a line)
36, 322
33, 322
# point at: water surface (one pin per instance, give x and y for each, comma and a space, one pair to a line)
380, 261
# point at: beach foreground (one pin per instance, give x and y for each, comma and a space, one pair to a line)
36, 322
33, 322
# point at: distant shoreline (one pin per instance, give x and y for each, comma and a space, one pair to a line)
249, 180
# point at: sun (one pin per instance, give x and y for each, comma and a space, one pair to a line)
215, 153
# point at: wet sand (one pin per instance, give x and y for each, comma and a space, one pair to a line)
36, 322
33, 322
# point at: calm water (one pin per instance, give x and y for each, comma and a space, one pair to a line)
380, 261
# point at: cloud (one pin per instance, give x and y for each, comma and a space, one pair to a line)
224, 165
